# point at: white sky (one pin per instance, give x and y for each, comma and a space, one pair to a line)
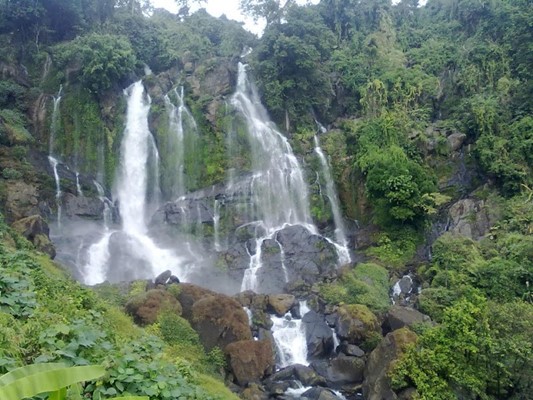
219, 7
231, 9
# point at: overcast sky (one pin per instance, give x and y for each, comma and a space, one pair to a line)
231, 9
219, 7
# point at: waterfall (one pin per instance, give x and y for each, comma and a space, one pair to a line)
106, 202
216, 223
138, 255
340, 235
289, 336
181, 122
54, 126
78, 186
54, 162
277, 186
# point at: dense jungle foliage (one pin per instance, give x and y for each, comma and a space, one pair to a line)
391, 82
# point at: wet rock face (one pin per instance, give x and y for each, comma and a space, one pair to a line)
85, 207
341, 370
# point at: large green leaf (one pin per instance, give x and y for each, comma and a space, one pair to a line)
28, 370
49, 381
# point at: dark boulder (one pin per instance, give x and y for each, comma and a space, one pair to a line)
308, 376
320, 394
340, 370
318, 334
399, 317
163, 277
350, 350
81, 206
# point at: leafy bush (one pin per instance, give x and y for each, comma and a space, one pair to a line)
104, 59
11, 173
481, 350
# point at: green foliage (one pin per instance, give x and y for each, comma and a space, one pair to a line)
366, 284
10, 173
103, 59
396, 247
175, 330
480, 350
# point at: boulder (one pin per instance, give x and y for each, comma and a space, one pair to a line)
377, 384
35, 229
145, 307
163, 277
341, 370
188, 295
250, 360
471, 218
320, 394
318, 335
456, 140
399, 316
356, 323
308, 376
350, 350
280, 304
219, 321
254, 392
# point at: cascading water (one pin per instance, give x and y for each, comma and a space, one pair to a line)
54, 126
278, 189
54, 163
133, 241
181, 122
78, 185
341, 243
106, 203
289, 336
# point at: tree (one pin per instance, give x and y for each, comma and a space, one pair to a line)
271, 10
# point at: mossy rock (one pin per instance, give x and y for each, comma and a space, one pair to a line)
145, 307
356, 323
220, 320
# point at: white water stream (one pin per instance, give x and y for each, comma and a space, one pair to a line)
289, 335
278, 188
340, 232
